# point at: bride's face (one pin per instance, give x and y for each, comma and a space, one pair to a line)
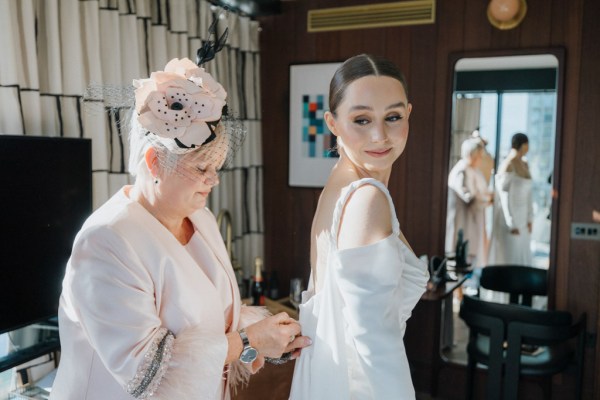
372, 122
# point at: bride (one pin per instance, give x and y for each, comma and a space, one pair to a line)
513, 211
365, 279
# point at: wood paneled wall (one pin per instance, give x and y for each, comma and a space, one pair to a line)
418, 183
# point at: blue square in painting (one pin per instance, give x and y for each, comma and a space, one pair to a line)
320, 101
313, 124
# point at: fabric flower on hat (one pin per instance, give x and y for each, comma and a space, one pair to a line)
179, 103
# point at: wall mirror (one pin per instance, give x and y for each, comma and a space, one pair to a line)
493, 97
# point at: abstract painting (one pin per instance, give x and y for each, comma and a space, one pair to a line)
312, 153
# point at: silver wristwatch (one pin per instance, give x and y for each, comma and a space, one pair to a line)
249, 353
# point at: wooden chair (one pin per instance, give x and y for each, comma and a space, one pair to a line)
500, 332
517, 281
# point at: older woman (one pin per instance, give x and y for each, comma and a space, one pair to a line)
150, 305
468, 197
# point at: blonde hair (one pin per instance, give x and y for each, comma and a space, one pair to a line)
469, 147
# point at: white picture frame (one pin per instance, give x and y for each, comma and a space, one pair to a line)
310, 161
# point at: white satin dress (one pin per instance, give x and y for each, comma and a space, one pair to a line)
513, 209
358, 318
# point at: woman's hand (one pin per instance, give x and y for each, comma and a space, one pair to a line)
514, 231
276, 335
297, 345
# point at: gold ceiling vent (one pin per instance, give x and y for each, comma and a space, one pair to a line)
372, 16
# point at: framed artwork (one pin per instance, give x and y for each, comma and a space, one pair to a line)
311, 156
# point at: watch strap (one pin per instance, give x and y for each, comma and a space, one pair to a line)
244, 337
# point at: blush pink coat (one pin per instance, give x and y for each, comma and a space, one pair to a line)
138, 314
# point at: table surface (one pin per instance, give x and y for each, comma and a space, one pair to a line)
277, 306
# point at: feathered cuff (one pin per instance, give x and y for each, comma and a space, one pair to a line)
150, 373
191, 366
239, 373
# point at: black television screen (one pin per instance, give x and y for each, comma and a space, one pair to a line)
45, 196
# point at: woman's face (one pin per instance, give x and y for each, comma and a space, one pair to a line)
524, 149
186, 189
372, 122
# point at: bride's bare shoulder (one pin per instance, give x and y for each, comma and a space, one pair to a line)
366, 217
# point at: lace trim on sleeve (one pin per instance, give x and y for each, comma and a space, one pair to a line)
156, 360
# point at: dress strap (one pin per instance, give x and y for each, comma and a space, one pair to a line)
339, 206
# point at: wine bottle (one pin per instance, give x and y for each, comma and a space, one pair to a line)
258, 285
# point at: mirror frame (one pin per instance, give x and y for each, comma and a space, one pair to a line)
559, 53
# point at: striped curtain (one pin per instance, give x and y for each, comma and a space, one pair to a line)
465, 119
54, 49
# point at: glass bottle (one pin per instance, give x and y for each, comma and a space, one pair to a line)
258, 285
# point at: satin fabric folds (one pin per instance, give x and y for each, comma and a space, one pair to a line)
358, 318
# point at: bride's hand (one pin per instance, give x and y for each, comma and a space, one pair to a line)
297, 345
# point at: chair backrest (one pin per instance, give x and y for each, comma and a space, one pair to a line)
508, 327
516, 280
478, 313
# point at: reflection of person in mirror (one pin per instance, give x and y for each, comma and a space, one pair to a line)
513, 214
468, 197
365, 279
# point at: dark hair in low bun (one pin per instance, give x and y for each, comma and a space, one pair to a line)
357, 67
518, 140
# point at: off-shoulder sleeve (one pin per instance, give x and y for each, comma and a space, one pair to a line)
113, 297
504, 183
373, 320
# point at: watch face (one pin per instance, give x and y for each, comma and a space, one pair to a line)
248, 355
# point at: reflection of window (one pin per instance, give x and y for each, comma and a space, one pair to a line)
532, 112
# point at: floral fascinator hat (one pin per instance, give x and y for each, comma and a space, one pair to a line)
181, 105
183, 109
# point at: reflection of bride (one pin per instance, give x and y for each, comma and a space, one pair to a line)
513, 210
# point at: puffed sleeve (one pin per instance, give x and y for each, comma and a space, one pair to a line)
372, 316
114, 299
458, 183
504, 192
